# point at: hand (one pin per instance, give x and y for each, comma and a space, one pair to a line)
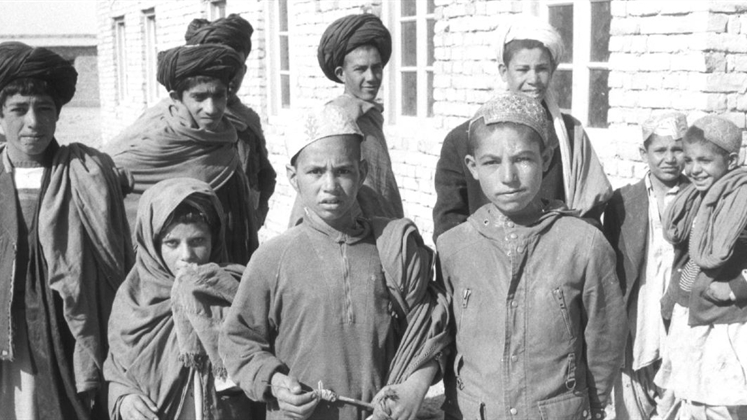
294, 403
182, 266
88, 398
138, 407
720, 292
402, 401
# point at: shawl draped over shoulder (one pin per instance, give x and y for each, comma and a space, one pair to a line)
164, 328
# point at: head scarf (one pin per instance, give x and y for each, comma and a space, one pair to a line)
672, 124
20, 61
529, 27
515, 108
719, 131
233, 31
329, 120
348, 33
211, 60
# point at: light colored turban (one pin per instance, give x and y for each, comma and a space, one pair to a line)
329, 120
672, 124
529, 27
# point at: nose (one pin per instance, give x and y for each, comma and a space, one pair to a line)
186, 253
508, 174
209, 106
669, 157
329, 183
31, 118
693, 168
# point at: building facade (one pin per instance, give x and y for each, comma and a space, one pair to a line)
626, 60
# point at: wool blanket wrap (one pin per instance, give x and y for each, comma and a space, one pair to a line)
163, 327
422, 319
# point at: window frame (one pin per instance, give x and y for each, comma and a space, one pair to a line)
119, 29
273, 54
216, 9
393, 74
153, 91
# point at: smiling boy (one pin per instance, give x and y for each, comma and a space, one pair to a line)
314, 303
540, 319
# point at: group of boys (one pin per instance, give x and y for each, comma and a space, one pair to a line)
339, 316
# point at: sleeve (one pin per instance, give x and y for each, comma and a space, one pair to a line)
452, 203
605, 321
246, 339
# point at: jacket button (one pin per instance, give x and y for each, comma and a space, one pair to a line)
585, 413
520, 249
510, 224
508, 253
513, 411
514, 358
512, 236
514, 304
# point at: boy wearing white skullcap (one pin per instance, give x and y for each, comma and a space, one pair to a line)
540, 319
314, 303
633, 225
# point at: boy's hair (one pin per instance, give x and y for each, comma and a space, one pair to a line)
28, 87
722, 134
189, 82
196, 208
479, 130
517, 45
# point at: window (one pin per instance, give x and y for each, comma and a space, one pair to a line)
279, 73
216, 9
151, 52
120, 57
581, 80
412, 26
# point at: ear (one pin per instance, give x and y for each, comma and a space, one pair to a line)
502, 70
291, 172
643, 152
363, 171
471, 163
340, 74
174, 96
733, 160
547, 158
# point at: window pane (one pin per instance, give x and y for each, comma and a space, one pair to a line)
431, 6
563, 84
284, 54
599, 101
409, 93
283, 15
431, 33
408, 7
409, 44
430, 94
600, 31
285, 93
561, 17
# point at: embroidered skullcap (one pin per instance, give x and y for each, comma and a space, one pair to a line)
348, 33
329, 120
718, 131
673, 124
211, 60
515, 108
232, 30
20, 61
532, 28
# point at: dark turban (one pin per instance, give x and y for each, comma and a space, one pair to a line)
233, 31
20, 61
211, 60
348, 33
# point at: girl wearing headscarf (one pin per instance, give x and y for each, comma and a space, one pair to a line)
529, 50
163, 359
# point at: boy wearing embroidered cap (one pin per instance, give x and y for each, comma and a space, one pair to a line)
706, 301
314, 303
541, 319
633, 225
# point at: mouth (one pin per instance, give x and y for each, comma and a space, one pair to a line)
511, 194
330, 202
534, 93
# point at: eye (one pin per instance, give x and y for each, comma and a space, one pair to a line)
170, 243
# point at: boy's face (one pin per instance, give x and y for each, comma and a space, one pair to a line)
704, 165
361, 72
327, 176
186, 243
529, 72
29, 123
664, 157
509, 165
205, 104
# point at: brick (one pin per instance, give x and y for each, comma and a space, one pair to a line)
667, 43
735, 25
682, 7
726, 82
727, 42
717, 22
717, 102
654, 99
643, 8
742, 102
728, 6
654, 62
688, 61
667, 25
715, 62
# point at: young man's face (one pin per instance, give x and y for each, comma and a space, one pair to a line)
664, 157
529, 72
186, 243
704, 165
509, 165
29, 123
362, 72
327, 176
204, 103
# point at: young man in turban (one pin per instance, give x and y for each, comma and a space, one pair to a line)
353, 51
528, 51
64, 247
193, 138
235, 32
633, 225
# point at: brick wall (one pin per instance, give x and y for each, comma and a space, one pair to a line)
682, 55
